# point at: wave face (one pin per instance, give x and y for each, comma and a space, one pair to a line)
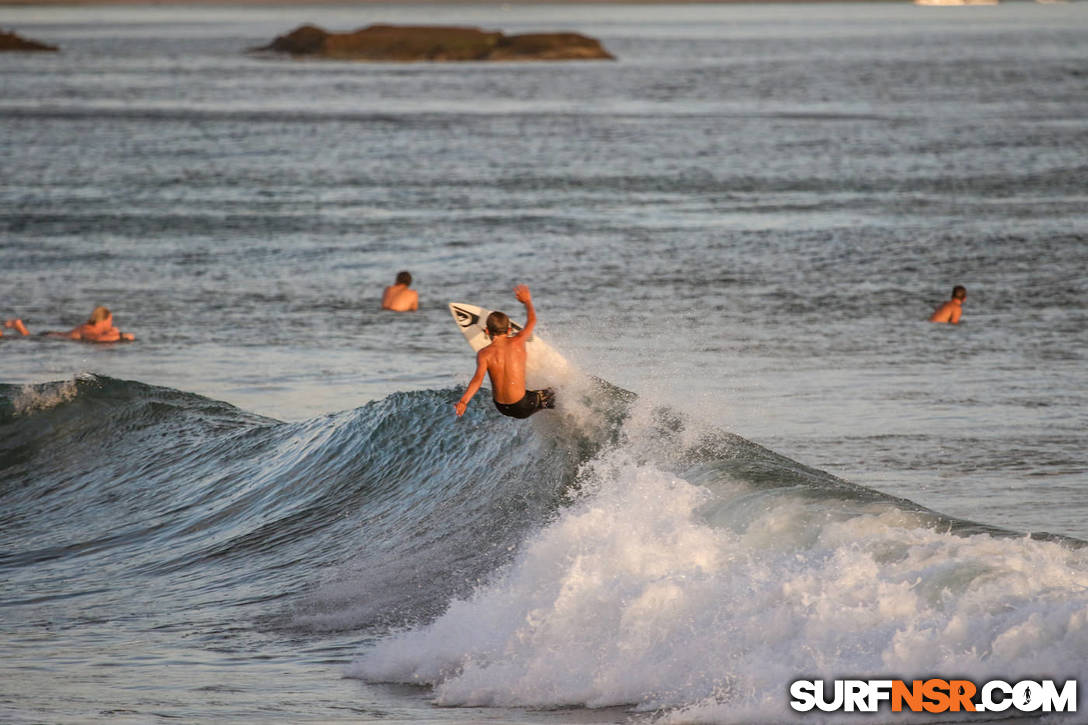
608, 554
158, 486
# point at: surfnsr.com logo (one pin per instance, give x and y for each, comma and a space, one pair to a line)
934, 695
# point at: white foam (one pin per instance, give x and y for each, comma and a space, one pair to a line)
32, 398
633, 597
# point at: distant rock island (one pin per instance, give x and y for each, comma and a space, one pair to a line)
11, 41
435, 43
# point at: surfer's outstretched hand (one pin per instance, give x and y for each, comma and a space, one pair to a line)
522, 293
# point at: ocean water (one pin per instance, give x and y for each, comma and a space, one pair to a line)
766, 465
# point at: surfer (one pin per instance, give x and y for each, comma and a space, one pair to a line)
504, 361
15, 324
950, 311
398, 297
98, 328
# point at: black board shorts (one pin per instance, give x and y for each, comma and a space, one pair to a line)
533, 401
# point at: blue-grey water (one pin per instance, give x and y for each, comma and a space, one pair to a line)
263, 508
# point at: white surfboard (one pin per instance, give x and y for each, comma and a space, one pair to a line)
543, 365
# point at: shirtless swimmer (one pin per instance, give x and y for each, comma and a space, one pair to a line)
951, 311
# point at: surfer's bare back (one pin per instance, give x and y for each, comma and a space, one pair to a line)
951, 311
504, 361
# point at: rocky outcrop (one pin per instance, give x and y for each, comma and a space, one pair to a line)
11, 41
435, 43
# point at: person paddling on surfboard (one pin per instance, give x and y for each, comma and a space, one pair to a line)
504, 361
98, 328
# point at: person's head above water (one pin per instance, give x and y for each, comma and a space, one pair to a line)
498, 324
404, 278
959, 292
99, 315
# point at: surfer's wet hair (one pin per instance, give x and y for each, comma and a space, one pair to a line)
404, 278
498, 323
959, 292
99, 314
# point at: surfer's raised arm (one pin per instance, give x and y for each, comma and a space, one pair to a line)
525, 298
